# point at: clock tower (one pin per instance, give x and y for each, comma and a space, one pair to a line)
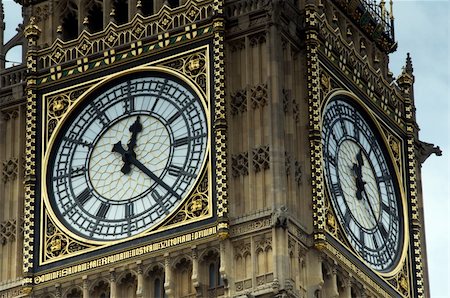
209, 148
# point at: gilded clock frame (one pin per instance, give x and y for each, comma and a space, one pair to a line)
48, 216
375, 122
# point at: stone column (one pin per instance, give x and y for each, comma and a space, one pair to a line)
195, 281
140, 279
85, 286
113, 284
168, 284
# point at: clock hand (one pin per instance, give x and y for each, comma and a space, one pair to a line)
117, 147
132, 160
135, 128
357, 171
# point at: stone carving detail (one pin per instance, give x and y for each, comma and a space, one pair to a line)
194, 66
297, 172
10, 114
261, 158
280, 218
8, 231
10, 169
237, 45
238, 102
258, 96
286, 100
291, 165
257, 39
195, 207
239, 164
42, 12
296, 111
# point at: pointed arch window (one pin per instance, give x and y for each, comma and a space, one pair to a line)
69, 16
121, 11
94, 15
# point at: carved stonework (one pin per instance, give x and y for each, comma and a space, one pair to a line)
10, 114
10, 169
58, 106
57, 243
261, 158
239, 164
258, 96
42, 12
238, 102
193, 66
196, 206
258, 38
8, 230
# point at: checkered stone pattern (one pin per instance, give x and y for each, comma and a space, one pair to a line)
413, 190
220, 123
313, 83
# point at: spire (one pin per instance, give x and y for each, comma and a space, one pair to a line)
408, 67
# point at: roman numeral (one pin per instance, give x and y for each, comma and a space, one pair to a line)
174, 117
157, 197
387, 208
383, 231
336, 189
84, 196
78, 142
181, 142
347, 217
73, 173
104, 207
174, 170
129, 210
383, 178
101, 115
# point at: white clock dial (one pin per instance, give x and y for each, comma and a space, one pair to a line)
361, 184
128, 156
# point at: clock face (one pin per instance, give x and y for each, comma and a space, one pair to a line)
127, 157
362, 186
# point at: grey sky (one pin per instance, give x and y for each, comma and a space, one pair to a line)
421, 28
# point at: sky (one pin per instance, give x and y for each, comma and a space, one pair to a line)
422, 29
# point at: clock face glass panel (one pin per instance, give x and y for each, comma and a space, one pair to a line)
361, 183
127, 156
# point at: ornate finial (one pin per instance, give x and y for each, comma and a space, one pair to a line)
408, 67
112, 15
86, 22
32, 31
139, 6
391, 4
59, 31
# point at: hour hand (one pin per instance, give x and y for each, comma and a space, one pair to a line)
135, 128
117, 147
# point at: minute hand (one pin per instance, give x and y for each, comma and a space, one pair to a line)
131, 159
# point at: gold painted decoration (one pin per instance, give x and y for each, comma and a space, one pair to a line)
58, 244
58, 105
193, 66
197, 206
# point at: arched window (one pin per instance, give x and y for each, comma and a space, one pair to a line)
121, 11
94, 15
69, 20
215, 279
174, 3
147, 7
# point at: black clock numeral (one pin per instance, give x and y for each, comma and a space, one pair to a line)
383, 231
347, 217
387, 208
73, 173
158, 198
174, 117
129, 104
181, 142
84, 196
383, 178
337, 190
78, 142
174, 170
129, 210
101, 115
103, 210
362, 238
